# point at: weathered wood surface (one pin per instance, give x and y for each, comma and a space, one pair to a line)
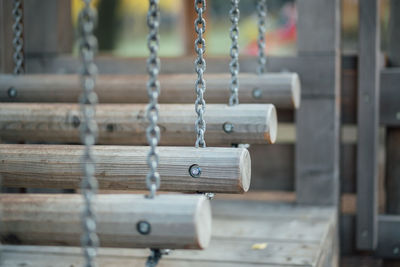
368, 125
126, 124
280, 89
176, 221
124, 167
6, 36
388, 243
294, 236
393, 171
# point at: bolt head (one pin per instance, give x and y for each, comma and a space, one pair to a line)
76, 121
257, 93
195, 171
143, 227
227, 127
12, 92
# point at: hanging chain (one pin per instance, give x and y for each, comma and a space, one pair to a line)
200, 67
262, 21
88, 99
234, 15
155, 256
18, 41
153, 91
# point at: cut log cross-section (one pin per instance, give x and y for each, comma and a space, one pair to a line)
122, 124
280, 89
222, 169
126, 221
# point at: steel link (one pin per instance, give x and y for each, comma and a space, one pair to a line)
234, 15
200, 67
88, 130
153, 91
18, 41
262, 21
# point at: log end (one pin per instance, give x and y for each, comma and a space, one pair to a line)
203, 222
272, 124
245, 170
296, 91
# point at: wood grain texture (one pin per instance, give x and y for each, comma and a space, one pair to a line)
295, 236
124, 167
126, 124
280, 89
176, 221
368, 125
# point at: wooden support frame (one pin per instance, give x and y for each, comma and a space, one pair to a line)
172, 221
280, 89
368, 125
126, 124
124, 167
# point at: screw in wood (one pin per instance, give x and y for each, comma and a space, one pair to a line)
143, 227
227, 127
256, 93
12, 92
195, 171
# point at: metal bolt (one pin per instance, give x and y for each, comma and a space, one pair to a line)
227, 127
12, 92
76, 121
195, 171
143, 227
396, 250
257, 93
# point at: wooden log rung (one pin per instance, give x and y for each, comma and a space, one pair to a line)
125, 124
223, 169
280, 89
176, 221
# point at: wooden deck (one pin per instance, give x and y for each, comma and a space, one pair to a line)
294, 236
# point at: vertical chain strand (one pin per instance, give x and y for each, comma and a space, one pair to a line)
88, 99
262, 21
153, 91
200, 67
234, 15
18, 41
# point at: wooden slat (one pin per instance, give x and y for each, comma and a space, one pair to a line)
393, 171
368, 125
124, 167
176, 221
390, 97
126, 124
281, 89
389, 237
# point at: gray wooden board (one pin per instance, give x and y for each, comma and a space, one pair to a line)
295, 236
389, 237
368, 125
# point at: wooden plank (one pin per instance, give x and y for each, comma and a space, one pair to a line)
281, 89
393, 171
175, 221
368, 125
388, 246
126, 124
390, 97
317, 152
6, 36
124, 167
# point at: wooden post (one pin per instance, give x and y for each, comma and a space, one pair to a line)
393, 133
126, 124
175, 221
280, 89
368, 125
6, 37
317, 151
124, 167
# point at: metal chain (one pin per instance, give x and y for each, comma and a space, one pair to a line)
153, 91
18, 41
155, 256
234, 15
262, 21
200, 67
88, 99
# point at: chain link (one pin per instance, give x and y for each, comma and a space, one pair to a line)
18, 41
200, 67
262, 21
153, 91
234, 15
88, 99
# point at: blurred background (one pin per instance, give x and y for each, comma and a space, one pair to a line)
122, 29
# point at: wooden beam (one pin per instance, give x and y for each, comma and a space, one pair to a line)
126, 124
281, 89
388, 237
124, 167
175, 221
368, 125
